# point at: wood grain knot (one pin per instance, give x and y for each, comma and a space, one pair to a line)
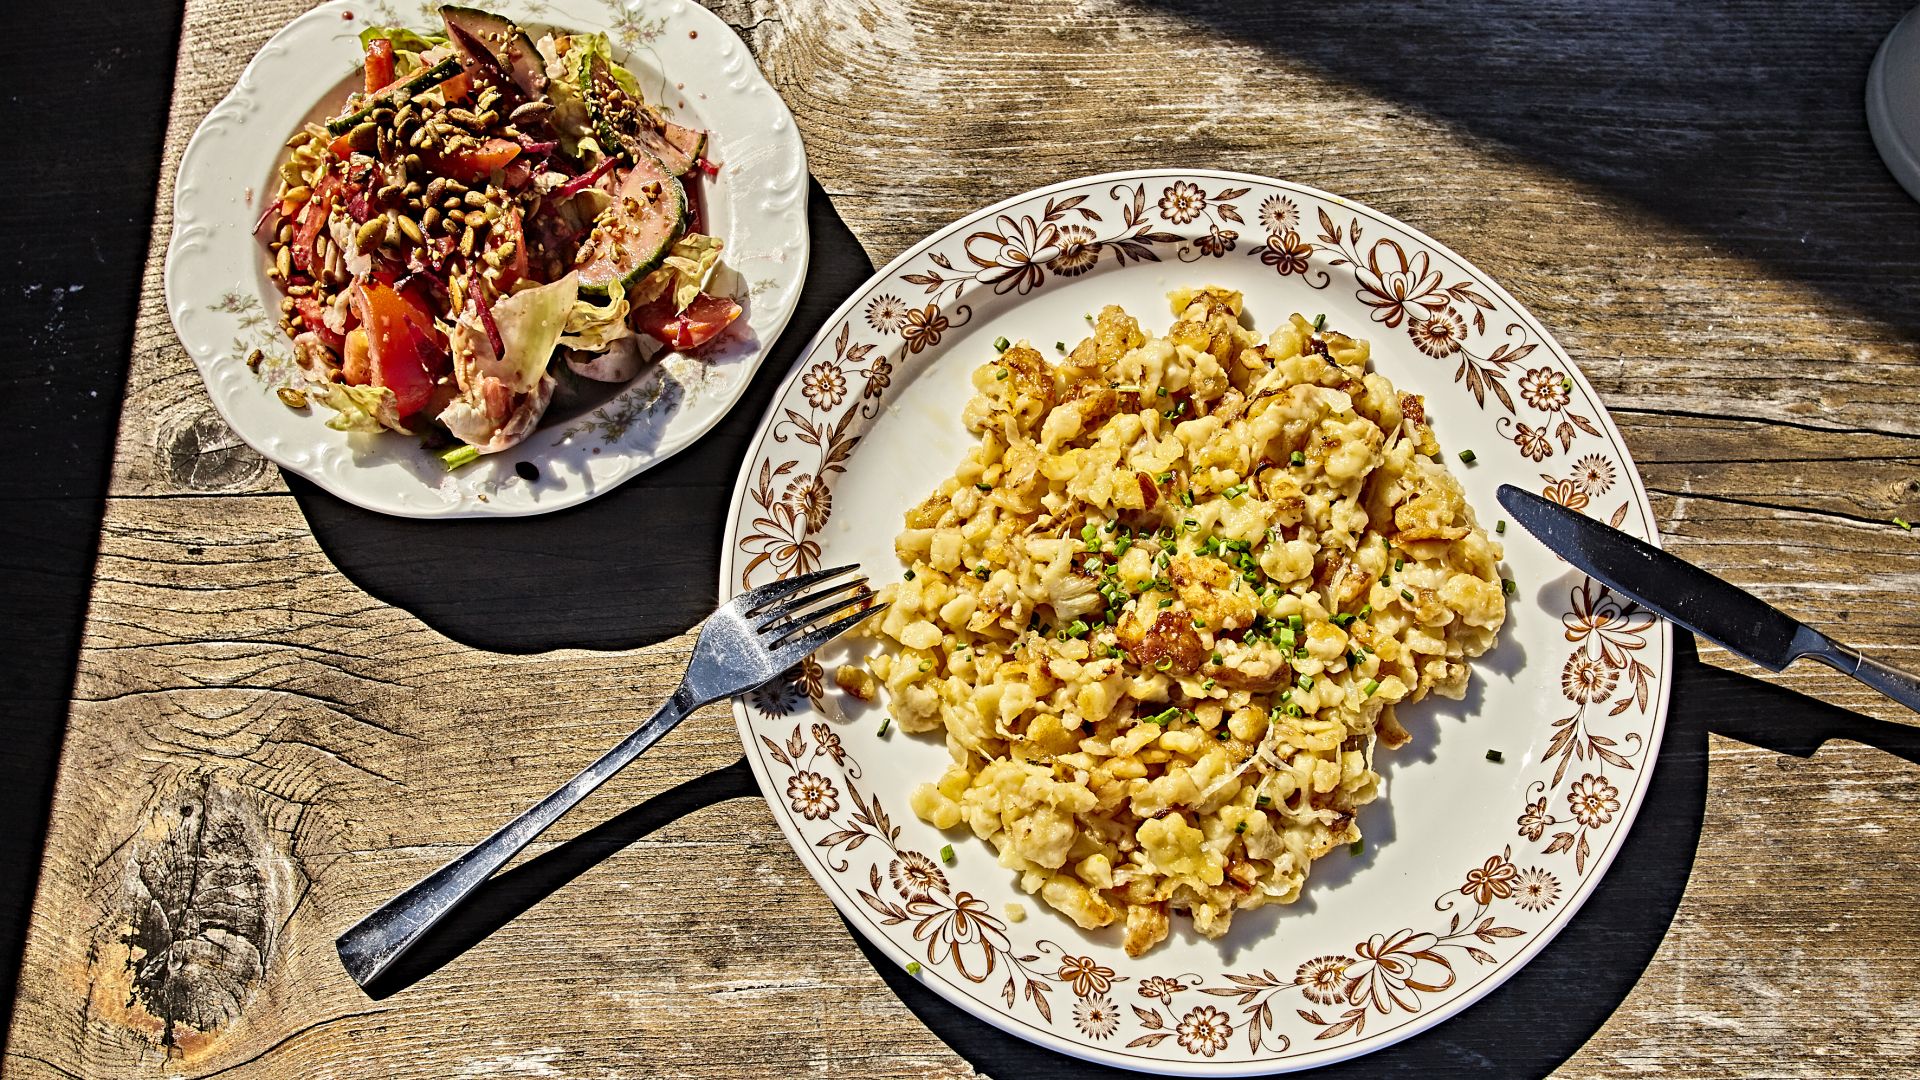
201, 895
205, 455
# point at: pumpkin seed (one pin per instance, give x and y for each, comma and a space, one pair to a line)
291, 398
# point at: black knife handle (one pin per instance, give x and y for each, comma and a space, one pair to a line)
1901, 686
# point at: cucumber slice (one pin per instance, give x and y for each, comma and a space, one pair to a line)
629, 127
691, 143
394, 96
505, 43
631, 237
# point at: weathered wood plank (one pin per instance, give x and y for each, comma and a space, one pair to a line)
242, 694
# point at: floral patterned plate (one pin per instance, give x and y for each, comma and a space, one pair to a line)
1471, 865
224, 306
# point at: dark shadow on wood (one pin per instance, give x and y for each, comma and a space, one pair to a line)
1744, 125
1551, 1007
511, 893
637, 565
75, 221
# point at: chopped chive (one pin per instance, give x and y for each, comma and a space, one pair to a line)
1342, 620
460, 455
983, 486
1357, 847
1167, 602
980, 572
1407, 596
1000, 344
1320, 322
1298, 458
1399, 564
884, 725
1199, 624
1217, 658
1567, 385
1186, 497
1003, 375
909, 575
1077, 628
1902, 524
946, 853
1165, 663
1294, 710
1160, 391
1286, 637
1262, 801
1241, 827
1366, 610
1296, 622
913, 967
1467, 456
1208, 685
1370, 687
926, 665
1061, 345
1495, 756
1190, 523
1164, 477
1089, 316
1508, 586
1306, 682
1500, 526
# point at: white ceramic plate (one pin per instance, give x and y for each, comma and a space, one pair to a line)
223, 305
1469, 868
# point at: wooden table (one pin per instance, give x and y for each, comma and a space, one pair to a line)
287, 709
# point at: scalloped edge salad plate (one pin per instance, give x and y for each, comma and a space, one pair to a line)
223, 305
1470, 866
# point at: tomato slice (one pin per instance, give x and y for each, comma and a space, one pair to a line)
400, 357
313, 218
379, 64
476, 163
700, 323
312, 313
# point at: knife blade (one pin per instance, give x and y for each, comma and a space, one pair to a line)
1663, 583
1686, 595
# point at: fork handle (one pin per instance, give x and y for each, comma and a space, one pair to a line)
373, 943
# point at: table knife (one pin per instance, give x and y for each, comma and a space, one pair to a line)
1688, 596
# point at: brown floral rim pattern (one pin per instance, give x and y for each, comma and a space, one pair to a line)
1506, 902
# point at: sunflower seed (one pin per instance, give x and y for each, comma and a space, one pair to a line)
371, 235
532, 110
291, 398
431, 218
475, 198
411, 230
466, 242
283, 264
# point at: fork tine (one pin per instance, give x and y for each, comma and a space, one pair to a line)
786, 628
754, 599
771, 614
793, 652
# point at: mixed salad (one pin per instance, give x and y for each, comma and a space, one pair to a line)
490, 215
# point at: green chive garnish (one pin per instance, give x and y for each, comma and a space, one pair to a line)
984, 486
1370, 687
913, 967
1500, 526
1000, 344
1298, 458
1003, 375
946, 853
1319, 322
884, 725
1495, 756
1901, 523
1356, 848
460, 455
1241, 827
1466, 456
1508, 586
1262, 801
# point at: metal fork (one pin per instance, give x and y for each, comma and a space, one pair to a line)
747, 642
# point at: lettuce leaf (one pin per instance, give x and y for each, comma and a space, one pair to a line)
593, 327
530, 323
688, 267
407, 45
358, 408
